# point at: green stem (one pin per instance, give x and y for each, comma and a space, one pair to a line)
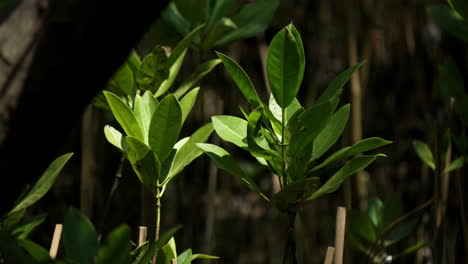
157, 195
283, 158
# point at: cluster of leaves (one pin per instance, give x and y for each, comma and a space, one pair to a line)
221, 29
286, 137
14, 229
382, 226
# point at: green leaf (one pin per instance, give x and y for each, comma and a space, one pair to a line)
165, 127
402, 231
189, 151
300, 46
154, 246
187, 102
461, 6
362, 146
331, 132
185, 257
183, 45
251, 20
241, 79
231, 129
202, 256
173, 72
393, 208
43, 184
144, 162
352, 240
122, 81
217, 9
144, 108
116, 249
424, 153
295, 192
200, 72
12, 252
172, 16
412, 249
283, 65
375, 212
115, 137
124, 115
80, 239
289, 111
449, 20
133, 61
192, 10
11, 220
335, 88
39, 253
253, 127
347, 170
22, 231
153, 71
224, 161
169, 252
361, 224
456, 164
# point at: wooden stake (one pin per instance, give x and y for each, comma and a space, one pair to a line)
174, 261
329, 256
340, 233
142, 235
55, 241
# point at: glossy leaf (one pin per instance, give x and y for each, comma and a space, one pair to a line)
23, 231
173, 73
241, 79
424, 153
198, 74
449, 20
224, 161
331, 132
187, 102
183, 45
252, 19
79, 237
189, 151
283, 65
231, 129
115, 137
362, 146
361, 224
335, 88
44, 183
143, 109
165, 127
116, 249
124, 115
154, 246
153, 71
300, 46
351, 167
144, 162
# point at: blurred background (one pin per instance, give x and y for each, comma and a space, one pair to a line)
396, 95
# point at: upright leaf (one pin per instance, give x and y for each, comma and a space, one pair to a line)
241, 79
80, 239
331, 132
173, 72
116, 249
153, 71
165, 127
283, 65
144, 162
124, 115
187, 103
231, 129
424, 153
143, 109
44, 183
115, 137
23, 231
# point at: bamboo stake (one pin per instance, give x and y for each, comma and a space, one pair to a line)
339, 234
174, 261
329, 256
55, 241
143, 231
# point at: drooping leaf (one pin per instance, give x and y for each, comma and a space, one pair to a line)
361, 224
362, 146
79, 237
116, 249
424, 153
44, 183
202, 256
154, 246
283, 65
449, 20
144, 162
331, 132
198, 74
153, 71
187, 102
231, 129
143, 109
115, 137
335, 88
241, 79
251, 20
39, 253
124, 115
347, 170
173, 73
165, 127
189, 151
23, 231
224, 161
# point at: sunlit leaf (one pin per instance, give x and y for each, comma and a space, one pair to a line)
424, 153
124, 115
231, 129
187, 102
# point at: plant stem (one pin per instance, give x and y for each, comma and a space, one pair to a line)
290, 249
283, 158
157, 195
